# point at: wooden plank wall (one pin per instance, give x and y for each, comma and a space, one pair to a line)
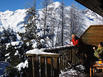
93, 35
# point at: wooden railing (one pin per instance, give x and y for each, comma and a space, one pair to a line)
50, 65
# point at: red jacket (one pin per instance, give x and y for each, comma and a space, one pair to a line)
75, 42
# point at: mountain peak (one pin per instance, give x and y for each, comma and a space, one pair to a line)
55, 4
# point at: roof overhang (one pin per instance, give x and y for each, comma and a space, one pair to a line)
93, 35
94, 5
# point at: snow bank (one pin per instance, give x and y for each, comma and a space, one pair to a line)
37, 52
69, 73
22, 65
77, 72
80, 67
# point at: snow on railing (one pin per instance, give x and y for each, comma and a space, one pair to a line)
58, 47
48, 51
38, 52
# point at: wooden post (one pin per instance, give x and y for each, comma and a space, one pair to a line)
51, 67
33, 68
71, 55
59, 62
90, 71
63, 62
39, 66
45, 67
93, 72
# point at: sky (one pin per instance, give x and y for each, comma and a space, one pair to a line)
13, 5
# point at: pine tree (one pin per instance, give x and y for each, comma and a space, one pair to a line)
8, 35
30, 34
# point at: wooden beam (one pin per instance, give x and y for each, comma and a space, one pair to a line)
94, 5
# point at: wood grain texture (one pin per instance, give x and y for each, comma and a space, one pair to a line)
93, 35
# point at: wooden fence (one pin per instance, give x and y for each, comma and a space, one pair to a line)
50, 65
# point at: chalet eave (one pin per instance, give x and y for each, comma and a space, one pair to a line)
94, 5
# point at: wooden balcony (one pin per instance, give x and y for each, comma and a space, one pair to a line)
50, 65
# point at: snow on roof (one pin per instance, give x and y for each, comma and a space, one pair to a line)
38, 52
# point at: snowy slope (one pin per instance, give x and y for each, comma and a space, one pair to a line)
13, 19
91, 18
16, 19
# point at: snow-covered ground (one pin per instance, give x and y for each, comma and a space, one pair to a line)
74, 72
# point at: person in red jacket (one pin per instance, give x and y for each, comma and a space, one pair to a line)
75, 40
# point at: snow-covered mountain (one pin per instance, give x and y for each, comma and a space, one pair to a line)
92, 18
16, 19
13, 19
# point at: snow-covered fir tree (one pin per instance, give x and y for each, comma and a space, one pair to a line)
7, 50
30, 36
